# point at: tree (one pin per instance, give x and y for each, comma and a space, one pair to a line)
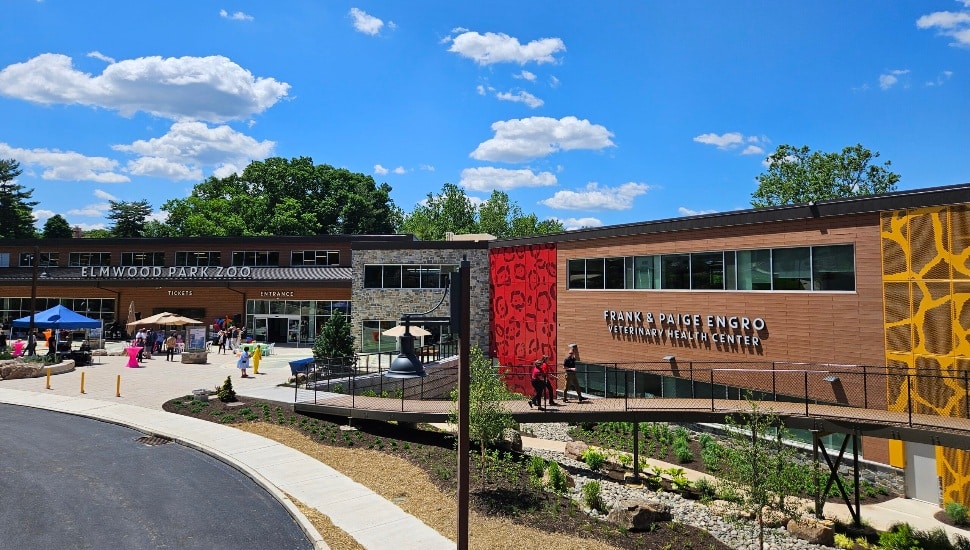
129, 217
285, 197
799, 175
56, 227
450, 211
155, 228
16, 208
487, 416
335, 341
758, 464
97, 234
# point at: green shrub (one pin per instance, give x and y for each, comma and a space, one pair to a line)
683, 453
900, 536
592, 497
593, 458
226, 393
956, 512
705, 488
934, 539
557, 479
536, 466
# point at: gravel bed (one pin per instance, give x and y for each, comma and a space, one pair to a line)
736, 534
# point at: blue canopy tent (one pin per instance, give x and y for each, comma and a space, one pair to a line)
58, 317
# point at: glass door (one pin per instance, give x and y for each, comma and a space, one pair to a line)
259, 329
293, 334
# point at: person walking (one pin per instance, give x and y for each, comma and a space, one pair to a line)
569, 365
170, 344
550, 373
32, 343
222, 341
538, 379
243, 362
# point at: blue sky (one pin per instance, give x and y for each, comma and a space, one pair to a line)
593, 113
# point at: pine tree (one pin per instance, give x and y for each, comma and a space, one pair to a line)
129, 217
16, 208
56, 227
335, 341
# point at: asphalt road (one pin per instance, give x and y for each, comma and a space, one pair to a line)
68, 482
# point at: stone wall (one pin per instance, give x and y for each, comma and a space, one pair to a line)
389, 304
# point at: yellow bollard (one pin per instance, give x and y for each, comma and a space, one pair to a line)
82, 382
118, 387
48, 378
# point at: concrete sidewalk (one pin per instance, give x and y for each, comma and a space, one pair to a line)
370, 519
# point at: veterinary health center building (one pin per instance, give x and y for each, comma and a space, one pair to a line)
872, 281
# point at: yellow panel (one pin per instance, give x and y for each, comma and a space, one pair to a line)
897, 453
960, 241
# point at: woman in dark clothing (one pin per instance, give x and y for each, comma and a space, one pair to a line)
569, 364
538, 384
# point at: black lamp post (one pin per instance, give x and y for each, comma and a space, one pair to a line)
407, 365
35, 261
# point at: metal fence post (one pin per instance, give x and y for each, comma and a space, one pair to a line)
693, 391
712, 390
774, 379
626, 391
909, 398
806, 393
865, 388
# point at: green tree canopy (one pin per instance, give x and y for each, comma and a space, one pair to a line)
16, 208
452, 211
799, 175
97, 234
335, 341
56, 227
285, 197
129, 217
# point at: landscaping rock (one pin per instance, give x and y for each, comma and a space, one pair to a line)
638, 515
773, 518
195, 357
813, 532
511, 441
15, 371
729, 510
575, 449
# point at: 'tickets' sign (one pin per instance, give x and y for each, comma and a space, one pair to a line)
668, 327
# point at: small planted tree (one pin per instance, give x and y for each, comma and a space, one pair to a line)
335, 342
487, 416
226, 393
757, 464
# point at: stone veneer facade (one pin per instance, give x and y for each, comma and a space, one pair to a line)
389, 304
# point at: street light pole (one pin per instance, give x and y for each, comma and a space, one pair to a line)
33, 290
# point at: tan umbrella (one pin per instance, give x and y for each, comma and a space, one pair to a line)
399, 331
165, 318
131, 314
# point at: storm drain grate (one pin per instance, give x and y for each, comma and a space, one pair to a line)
153, 440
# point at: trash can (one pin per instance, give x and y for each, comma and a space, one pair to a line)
300, 365
201, 395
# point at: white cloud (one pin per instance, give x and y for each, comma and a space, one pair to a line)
380, 170
189, 147
518, 140
888, 80
521, 97
66, 165
488, 179
553, 82
97, 210
752, 145
491, 48
227, 169
480, 89
525, 75
104, 195
367, 24
941, 78
955, 24
399, 170
235, 16
157, 216
205, 88
594, 197
688, 212
572, 224
43, 215
98, 55
89, 226
426, 168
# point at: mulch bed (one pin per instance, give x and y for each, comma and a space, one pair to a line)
506, 494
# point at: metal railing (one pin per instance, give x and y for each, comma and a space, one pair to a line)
907, 396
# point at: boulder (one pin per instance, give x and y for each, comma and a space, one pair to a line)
511, 441
773, 518
575, 449
813, 532
20, 370
638, 515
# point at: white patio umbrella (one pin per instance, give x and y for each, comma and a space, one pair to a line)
398, 331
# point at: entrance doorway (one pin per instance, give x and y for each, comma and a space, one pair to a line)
277, 329
922, 482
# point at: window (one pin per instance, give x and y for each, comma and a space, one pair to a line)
754, 269
47, 259
4, 259
803, 268
255, 258
198, 258
707, 271
141, 259
407, 276
675, 271
314, 257
791, 268
83, 259
833, 267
